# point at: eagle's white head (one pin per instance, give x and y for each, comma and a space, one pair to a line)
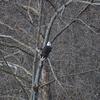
48, 44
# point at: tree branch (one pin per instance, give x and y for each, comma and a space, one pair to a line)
19, 9
67, 26
56, 79
52, 21
28, 11
16, 44
86, 2
18, 80
12, 65
86, 25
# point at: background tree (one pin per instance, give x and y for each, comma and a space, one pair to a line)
71, 72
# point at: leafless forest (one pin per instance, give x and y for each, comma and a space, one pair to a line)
72, 70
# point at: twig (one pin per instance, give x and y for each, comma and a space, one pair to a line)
18, 66
56, 79
51, 81
93, 70
28, 11
62, 31
86, 25
18, 80
11, 54
11, 97
56, 10
22, 86
84, 9
31, 8
69, 75
18, 7
16, 41
11, 46
19, 45
10, 73
20, 29
86, 2
6, 71
52, 5
69, 23
16, 29
74, 74
74, 19
52, 21
6, 25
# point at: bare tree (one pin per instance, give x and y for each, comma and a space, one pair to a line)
71, 72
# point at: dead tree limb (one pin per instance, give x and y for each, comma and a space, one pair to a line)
71, 22
56, 79
52, 21
4, 40
14, 75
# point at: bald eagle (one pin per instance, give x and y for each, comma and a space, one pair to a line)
46, 50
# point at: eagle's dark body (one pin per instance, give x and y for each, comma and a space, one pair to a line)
45, 51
